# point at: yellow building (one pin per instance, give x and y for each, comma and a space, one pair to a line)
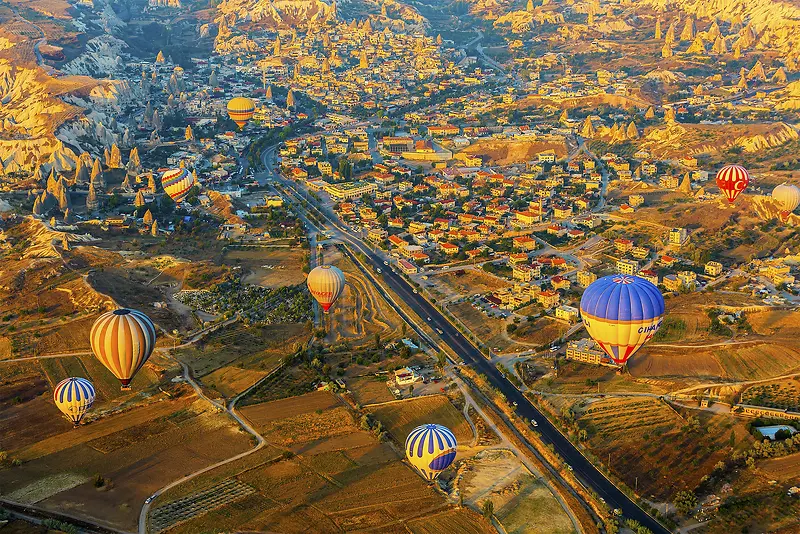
567, 313
678, 237
586, 351
625, 266
585, 278
350, 190
713, 268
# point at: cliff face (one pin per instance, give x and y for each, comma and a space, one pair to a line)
775, 22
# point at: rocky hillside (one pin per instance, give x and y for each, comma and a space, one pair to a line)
277, 14
776, 23
675, 140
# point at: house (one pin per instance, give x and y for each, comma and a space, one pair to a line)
524, 242
548, 298
623, 245
640, 253
407, 267
586, 351
567, 313
406, 376
678, 237
672, 282
518, 257
522, 272
713, 268
626, 266
556, 230
527, 217
625, 208
449, 248
585, 278
667, 261
559, 282
562, 212
377, 234
575, 234
649, 275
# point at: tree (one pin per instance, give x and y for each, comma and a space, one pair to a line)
377, 340
685, 502
441, 359
487, 509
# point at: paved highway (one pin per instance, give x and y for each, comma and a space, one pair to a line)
582, 467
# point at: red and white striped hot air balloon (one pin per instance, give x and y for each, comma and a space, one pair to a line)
732, 180
123, 340
326, 283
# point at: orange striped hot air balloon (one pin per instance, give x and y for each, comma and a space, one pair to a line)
240, 110
123, 340
732, 180
326, 283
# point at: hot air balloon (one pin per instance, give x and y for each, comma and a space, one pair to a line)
123, 340
326, 283
177, 183
431, 449
74, 397
732, 180
788, 195
622, 313
240, 110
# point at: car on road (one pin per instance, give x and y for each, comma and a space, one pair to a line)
534, 423
429, 319
385, 262
416, 292
149, 499
514, 404
379, 271
569, 467
440, 331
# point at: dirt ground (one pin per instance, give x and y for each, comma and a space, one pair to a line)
489, 330
509, 152
369, 389
268, 267
471, 282
540, 332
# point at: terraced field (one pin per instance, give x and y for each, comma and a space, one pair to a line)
202, 502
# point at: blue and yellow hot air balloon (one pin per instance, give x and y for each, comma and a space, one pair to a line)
431, 449
621, 313
74, 397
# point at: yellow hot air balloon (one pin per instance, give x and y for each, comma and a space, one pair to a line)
74, 397
326, 283
431, 449
123, 340
788, 195
240, 110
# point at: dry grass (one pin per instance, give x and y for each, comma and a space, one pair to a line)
782, 469
268, 412
369, 389
463, 521
509, 152
401, 417
230, 380
489, 330
471, 282
541, 331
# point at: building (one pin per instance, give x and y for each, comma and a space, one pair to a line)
350, 190
650, 276
623, 245
672, 282
524, 242
273, 201
567, 313
377, 234
398, 145
548, 298
586, 351
626, 266
585, 278
407, 267
713, 268
449, 248
559, 282
406, 376
678, 237
750, 410
522, 272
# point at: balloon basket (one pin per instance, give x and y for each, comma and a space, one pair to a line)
125, 388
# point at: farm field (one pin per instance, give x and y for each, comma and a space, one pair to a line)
748, 361
337, 477
399, 418
784, 469
136, 452
522, 504
646, 438
268, 267
369, 389
286, 382
783, 394
782, 324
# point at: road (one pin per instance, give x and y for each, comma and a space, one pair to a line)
450, 335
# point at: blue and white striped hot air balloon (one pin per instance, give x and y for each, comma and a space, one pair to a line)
431, 449
621, 313
74, 397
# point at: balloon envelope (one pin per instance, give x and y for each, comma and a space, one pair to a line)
732, 180
74, 397
622, 313
431, 449
177, 183
787, 195
240, 110
123, 340
326, 283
